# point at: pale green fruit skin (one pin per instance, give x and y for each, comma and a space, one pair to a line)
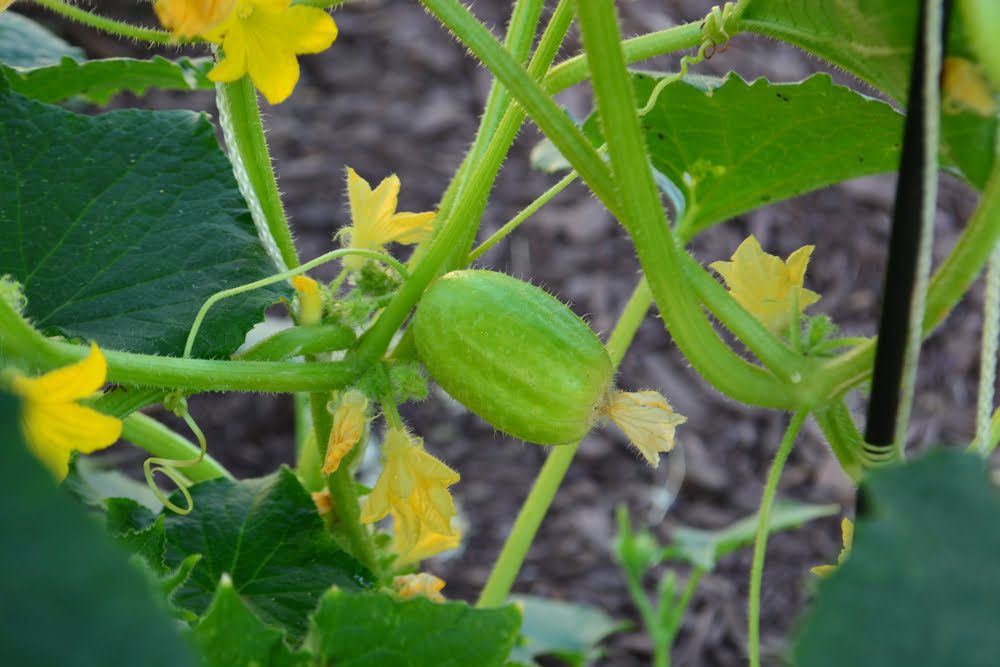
982, 24
513, 354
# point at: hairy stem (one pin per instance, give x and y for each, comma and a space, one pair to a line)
111, 26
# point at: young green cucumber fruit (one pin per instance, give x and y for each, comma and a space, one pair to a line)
524, 362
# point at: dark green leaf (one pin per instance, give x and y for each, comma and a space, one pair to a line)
873, 39
100, 80
732, 146
566, 630
120, 226
919, 587
231, 635
25, 44
136, 529
379, 630
69, 597
92, 484
702, 548
268, 537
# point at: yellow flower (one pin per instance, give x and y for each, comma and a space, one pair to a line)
413, 541
4, 4
54, 424
847, 532
349, 422
190, 18
310, 300
414, 487
422, 584
323, 502
647, 420
262, 38
966, 87
374, 221
764, 285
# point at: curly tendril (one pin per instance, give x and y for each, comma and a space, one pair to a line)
176, 403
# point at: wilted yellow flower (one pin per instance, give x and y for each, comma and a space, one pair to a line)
422, 584
414, 487
847, 533
4, 4
764, 285
262, 38
54, 423
647, 420
310, 300
374, 221
191, 18
965, 87
349, 422
323, 502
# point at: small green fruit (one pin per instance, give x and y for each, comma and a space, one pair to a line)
514, 355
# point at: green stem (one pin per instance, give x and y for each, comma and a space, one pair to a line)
643, 216
516, 221
663, 638
343, 495
988, 356
760, 543
543, 491
19, 339
243, 128
843, 437
120, 28
160, 441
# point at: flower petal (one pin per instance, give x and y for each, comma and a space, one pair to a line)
274, 71
66, 384
407, 228
305, 29
233, 65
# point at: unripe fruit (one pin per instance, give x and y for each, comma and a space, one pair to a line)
514, 355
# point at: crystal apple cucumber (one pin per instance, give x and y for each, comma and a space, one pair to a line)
523, 361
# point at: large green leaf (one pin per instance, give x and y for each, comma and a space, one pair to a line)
379, 630
100, 80
25, 44
920, 586
119, 226
732, 146
267, 536
566, 630
69, 598
873, 39
703, 548
231, 635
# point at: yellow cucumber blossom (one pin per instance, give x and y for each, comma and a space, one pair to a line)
764, 284
189, 18
349, 423
647, 420
4, 4
422, 584
54, 424
413, 541
374, 221
847, 532
413, 486
263, 37
310, 300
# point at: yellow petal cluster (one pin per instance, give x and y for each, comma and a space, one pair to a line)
966, 88
847, 533
413, 487
647, 420
374, 221
189, 18
54, 424
764, 284
421, 584
310, 300
349, 422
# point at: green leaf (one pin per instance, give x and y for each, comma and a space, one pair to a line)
873, 39
702, 548
231, 635
100, 80
919, 587
120, 226
69, 597
92, 484
268, 537
138, 531
566, 630
732, 146
25, 44
379, 630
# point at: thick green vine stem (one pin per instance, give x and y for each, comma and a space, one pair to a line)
543, 491
988, 356
243, 129
760, 542
111, 26
160, 441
